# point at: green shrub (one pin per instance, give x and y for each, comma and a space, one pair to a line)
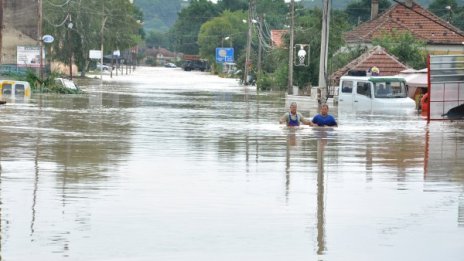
264, 82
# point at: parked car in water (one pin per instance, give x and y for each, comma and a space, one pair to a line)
373, 93
66, 83
201, 65
15, 89
102, 67
170, 65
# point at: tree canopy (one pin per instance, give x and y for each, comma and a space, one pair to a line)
79, 26
360, 11
214, 33
450, 11
185, 31
405, 46
160, 15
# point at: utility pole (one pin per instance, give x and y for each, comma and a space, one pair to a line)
290, 48
102, 38
1, 30
324, 50
260, 48
39, 36
248, 47
70, 25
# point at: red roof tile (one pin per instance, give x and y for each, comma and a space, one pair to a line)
417, 20
277, 37
376, 56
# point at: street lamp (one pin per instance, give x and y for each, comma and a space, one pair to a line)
45, 39
222, 41
70, 26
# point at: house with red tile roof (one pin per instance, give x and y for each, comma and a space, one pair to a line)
277, 39
440, 36
377, 56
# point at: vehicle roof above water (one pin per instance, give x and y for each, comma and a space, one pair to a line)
14, 82
374, 78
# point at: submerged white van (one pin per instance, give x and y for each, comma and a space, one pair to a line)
372, 93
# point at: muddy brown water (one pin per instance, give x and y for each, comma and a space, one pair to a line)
164, 164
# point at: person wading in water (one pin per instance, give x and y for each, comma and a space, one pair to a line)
293, 118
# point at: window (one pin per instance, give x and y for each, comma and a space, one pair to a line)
19, 89
347, 86
390, 89
7, 89
364, 88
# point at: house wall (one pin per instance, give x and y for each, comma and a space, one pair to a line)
20, 27
446, 49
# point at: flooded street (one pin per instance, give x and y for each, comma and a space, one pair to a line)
171, 165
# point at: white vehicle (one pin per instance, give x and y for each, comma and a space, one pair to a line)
66, 83
375, 93
102, 67
15, 89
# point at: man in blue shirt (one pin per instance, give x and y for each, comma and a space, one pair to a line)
324, 118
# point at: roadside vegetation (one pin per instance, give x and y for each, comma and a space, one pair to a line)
83, 25
203, 26
197, 27
48, 84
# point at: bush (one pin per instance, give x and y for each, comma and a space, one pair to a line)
150, 61
48, 85
264, 82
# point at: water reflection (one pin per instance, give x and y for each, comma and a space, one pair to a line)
321, 143
200, 167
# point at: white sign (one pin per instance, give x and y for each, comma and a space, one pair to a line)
117, 53
95, 54
48, 38
28, 56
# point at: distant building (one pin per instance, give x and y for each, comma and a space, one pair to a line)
277, 37
19, 26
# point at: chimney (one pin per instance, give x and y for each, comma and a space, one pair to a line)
374, 9
408, 3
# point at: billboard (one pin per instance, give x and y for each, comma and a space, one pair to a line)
224, 55
28, 56
95, 54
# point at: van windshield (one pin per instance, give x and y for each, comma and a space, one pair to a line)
390, 89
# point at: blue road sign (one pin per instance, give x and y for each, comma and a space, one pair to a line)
224, 55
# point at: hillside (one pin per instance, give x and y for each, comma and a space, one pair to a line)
160, 15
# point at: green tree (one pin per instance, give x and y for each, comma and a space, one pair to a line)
77, 27
213, 33
275, 12
233, 5
438, 7
185, 31
308, 26
450, 11
156, 39
405, 46
360, 10
160, 15
311, 25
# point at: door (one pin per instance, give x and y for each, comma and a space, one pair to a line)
362, 96
345, 94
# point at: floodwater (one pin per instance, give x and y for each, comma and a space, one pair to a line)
171, 165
